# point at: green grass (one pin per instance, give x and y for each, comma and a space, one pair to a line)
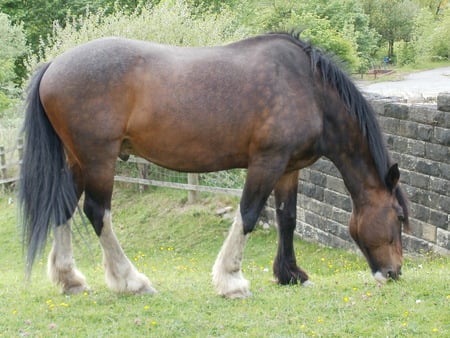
175, 244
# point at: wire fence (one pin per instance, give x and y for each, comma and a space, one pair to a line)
144, 173
140, 172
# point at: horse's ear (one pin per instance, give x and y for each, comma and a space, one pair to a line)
392, 176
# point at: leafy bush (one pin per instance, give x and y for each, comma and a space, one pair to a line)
171, 22
430, 41
12, 40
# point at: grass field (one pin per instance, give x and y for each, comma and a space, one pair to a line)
175, 244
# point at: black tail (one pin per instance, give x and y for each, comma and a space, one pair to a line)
47, 195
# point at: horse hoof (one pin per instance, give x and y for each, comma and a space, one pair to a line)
146, 290
308, 284
238, 294
76, 289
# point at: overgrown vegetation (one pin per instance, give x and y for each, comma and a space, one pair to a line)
361, 33
175, 244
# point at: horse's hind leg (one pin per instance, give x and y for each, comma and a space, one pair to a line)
61, 267
120, 274
285, 266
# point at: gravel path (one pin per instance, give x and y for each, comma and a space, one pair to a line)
420, 86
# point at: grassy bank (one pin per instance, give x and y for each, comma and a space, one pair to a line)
175, 244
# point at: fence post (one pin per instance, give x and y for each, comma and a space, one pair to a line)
2, 162
20, 149
192, 194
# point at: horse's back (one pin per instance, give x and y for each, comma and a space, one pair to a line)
170, 104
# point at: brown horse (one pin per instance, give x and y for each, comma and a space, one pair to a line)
272, 104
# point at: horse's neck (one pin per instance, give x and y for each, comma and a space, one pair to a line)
348, 150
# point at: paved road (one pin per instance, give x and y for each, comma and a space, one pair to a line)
414, 87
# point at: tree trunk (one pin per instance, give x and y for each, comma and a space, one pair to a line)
391, 49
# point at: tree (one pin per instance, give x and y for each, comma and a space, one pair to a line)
171, 21
432, 35
37, 18
338, 26
392, 19
12, 40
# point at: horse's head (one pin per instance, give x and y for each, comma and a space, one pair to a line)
376, 226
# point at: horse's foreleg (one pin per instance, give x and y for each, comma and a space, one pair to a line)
227, 274
61, 264
121, 275
285, 266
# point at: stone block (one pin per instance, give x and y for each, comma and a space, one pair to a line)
340, 216
407, 129
443, 238
437, 152
444, 171
396, 110
336, 184
318, 178
444, 203
441, 136
439, 218
337, 200
416, 227
311, 190
389, 125
415, 147
419, 212
427, 115
439, 185
419, 180
414, 244
400, 144
427, 167
443, 101
429, 233
377, 105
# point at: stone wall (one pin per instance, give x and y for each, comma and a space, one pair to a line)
418, 138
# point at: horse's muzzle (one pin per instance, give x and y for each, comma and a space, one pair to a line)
393, 274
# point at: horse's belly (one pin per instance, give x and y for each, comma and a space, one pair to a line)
190, 155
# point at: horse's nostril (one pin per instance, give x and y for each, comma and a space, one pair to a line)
393, 274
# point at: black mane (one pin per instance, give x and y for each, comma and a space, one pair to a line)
355, 102
357, 106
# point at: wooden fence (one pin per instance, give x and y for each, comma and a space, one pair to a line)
194, 183
10, 159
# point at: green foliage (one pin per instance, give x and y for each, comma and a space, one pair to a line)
393, 20
430, 40
38, 16
351, 29
169, 22
12, 40
437, 38
339, 27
